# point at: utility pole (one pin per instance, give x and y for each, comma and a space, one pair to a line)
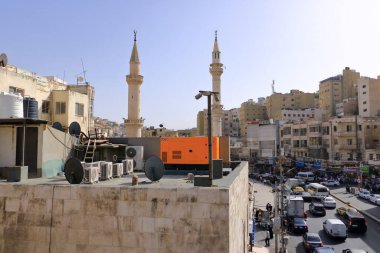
276, 215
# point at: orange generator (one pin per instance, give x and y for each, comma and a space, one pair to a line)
187, 153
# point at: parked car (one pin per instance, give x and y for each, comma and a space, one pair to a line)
375, 198
298, 225
329, 202
298, 190
335, 228
363, 193
311, 241
355, 221
354, 251
324, 250
330, 183
342, 210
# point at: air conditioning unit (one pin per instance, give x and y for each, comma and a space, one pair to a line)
127, 166
105, 170
117, 169
91, 175
137, 154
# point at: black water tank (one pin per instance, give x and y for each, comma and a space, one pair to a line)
30, 108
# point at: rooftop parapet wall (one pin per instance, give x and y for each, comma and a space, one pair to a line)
86, 218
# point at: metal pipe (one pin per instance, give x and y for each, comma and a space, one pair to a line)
23, 143
209, 131
275, 215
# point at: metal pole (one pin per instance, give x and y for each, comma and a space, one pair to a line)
275, 215
282, 206
209, 131
23, 143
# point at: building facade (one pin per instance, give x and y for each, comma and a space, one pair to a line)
262, 139
369, 97
251, 111
57, 101
291, 101
301, 115
231, 123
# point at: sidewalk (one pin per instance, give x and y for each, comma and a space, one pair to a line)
365, 207
263, 195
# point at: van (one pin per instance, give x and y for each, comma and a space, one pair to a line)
355, 221
335, 228
306, 176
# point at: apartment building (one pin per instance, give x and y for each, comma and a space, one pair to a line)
262, 139
347, 107
335, 89
369, 96
57, 101
231, 122
291, 101
251, 111
342, 138
288, 115
202, 123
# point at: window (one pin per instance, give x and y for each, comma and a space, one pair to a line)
60, 108
45, 106
360, 127
364, 110
364, 92
334, 128
377, 156
375, 126
16, 90
349, 141
367, 126
370, 156
349, 128
364, 86
364, 102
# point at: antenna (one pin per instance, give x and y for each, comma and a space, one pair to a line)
84, 71
81, 77
273, 87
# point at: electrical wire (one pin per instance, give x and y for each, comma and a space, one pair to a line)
55, 137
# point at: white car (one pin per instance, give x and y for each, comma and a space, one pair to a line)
363, 193
375, 198
329, 202
330, 183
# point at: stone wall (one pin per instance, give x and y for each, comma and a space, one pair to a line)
116, 219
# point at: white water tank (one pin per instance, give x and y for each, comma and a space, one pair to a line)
11, 106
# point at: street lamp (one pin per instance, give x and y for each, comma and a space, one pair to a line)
216, 96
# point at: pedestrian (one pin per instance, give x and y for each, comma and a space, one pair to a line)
267, 206
267, 238
270, 232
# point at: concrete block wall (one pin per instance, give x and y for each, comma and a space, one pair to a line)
118, 219
80, 219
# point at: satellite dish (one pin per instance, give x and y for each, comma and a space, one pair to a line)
73, 171
154, 168
57, 126
3, 60
74, 128
131, 152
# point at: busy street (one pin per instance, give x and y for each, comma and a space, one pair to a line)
355, 240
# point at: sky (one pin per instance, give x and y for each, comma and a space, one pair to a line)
297, 43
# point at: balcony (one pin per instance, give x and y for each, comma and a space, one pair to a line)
315, 146
315, 134
345, 134
345, 147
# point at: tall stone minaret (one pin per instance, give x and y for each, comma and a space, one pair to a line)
134, 123
216, 70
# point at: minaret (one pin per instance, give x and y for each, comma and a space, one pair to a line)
216, 70
134, 123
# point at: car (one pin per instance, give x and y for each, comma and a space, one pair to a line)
363, 193
298, 190
311, 241
298, 225
355, 221
306, 196
329, 202
317, 209
354, 251
342, 210
375, 198
330, 183
324, 250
